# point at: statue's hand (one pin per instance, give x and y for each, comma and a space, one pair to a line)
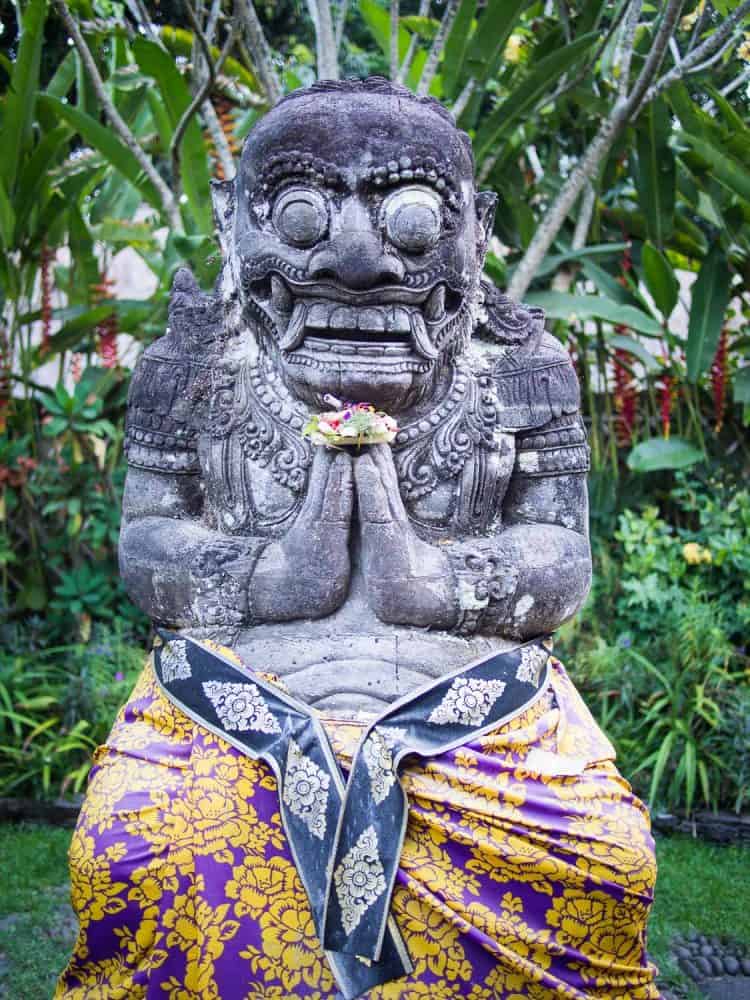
219, 575
410, 582
306, 573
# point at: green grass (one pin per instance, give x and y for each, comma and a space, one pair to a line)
34, 944
701, 887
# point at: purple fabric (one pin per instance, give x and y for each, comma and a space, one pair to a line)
527, 872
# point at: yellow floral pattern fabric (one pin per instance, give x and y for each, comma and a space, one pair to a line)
527, 871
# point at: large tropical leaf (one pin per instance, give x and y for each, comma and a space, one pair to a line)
379, 23
658, 454
493, 30
538, 81
575, 308
194, 161
657, 175
599, 250
724, 168
622, 342
456, 46
709, 300
660, 279
741, 385
106, 142
18, 110
7, 218
35, 174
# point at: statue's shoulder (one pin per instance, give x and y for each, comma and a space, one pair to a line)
533, 374
171, 380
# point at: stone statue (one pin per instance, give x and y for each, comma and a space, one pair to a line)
351, 767
353, 241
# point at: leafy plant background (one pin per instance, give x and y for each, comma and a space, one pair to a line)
616, 136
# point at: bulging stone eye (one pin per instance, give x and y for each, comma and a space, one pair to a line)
413, 218
300, 216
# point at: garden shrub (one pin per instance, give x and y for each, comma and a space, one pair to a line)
660, 650
56, 705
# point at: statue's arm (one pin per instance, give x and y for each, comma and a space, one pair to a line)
536, 572
522, 581
175, 568
180, 571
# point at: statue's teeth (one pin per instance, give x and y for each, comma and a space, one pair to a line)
397, 320
434, 308
371, 320
295, 331
420, 337
343, 318
317, 318
281, 297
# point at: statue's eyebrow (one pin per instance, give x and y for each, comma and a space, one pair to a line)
422, 170
296, 165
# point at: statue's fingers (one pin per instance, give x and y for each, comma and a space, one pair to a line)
321, 465
383, 458
338, 497
371, 494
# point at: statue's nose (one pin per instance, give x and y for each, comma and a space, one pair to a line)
356, 259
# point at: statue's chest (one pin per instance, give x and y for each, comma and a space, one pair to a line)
453, 465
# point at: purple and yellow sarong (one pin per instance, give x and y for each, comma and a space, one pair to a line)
526, 872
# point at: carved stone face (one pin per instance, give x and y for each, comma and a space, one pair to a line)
357, 243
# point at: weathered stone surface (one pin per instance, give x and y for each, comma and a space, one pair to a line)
353, 242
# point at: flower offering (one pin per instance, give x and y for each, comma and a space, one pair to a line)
351, 424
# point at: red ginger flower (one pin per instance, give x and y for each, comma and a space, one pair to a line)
625, 396
719, 370
107, 328
666, 398
4, 379
46, 258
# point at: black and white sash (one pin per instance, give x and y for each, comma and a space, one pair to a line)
346, 836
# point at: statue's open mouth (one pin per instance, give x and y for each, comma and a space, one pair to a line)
391, 324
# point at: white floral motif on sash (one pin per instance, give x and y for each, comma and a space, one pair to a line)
532, 662
379, 760
174, 662
240, 707
468, 701
359, 879
306, 790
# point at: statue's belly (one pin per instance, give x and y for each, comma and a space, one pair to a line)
344, 670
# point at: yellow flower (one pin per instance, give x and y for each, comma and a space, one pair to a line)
288, 935
693, 553
744, 50
432, 940
604, 929
93, 892
256, 882
208, 822
150, 882
197, 928
513, 49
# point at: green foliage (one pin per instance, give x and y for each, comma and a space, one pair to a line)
663, 453
56, 705
666, 663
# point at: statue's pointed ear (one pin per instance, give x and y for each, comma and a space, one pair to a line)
485, 203
222, 195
